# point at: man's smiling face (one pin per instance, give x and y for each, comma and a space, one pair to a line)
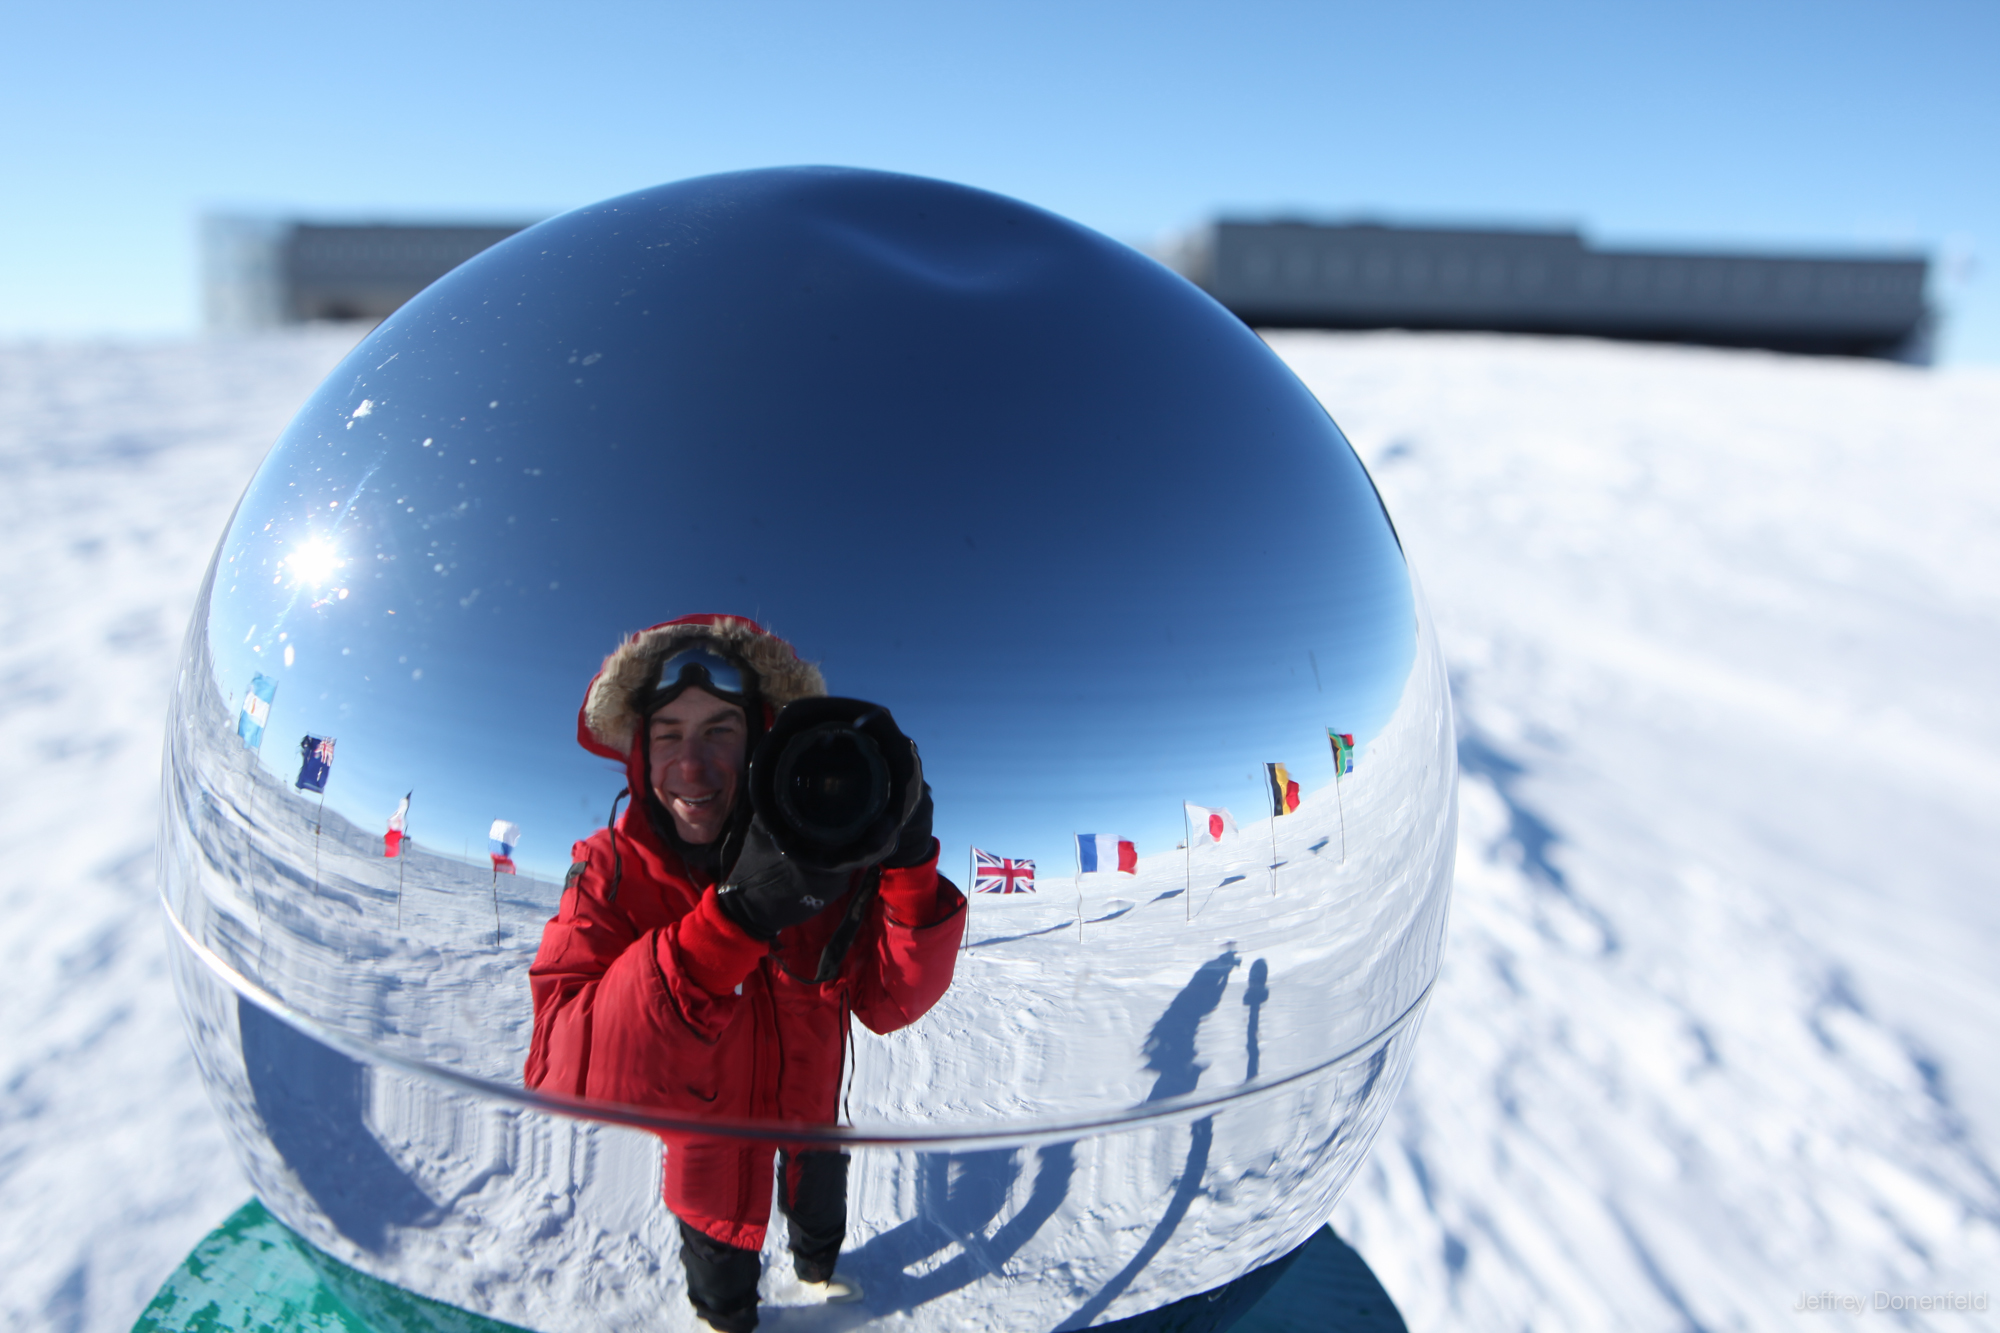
695, 750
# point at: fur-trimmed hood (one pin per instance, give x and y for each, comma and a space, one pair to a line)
608, 722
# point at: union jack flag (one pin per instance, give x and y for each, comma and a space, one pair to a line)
1001, 874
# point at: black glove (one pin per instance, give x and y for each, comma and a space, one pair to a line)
913, 844
766, 891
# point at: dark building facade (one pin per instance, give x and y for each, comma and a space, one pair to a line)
1361, 276
259, 273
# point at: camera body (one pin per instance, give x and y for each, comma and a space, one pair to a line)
834, 780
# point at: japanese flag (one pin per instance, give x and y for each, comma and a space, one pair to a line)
1206, 825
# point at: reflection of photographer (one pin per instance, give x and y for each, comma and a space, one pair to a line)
775, 872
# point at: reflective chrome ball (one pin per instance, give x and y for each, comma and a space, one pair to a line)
1107, 561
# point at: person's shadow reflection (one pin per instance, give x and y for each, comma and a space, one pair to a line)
959, 1195
312, 1100
1170, 1050
1254, 996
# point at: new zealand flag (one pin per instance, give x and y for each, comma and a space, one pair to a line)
316, 761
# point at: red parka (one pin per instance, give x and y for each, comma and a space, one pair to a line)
650, 996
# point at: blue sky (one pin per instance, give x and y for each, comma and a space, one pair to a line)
1823, 126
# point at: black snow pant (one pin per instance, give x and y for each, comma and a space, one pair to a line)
722, 1279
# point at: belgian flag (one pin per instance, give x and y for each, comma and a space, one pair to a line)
1284, 791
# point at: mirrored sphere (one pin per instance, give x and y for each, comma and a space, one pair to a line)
1109, 564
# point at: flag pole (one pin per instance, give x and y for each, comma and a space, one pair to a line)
256, 753
319, 816
1077, 852
1187, 863
1341, 805
250, 843
1277, 804
252, 754
965, 936
402, 860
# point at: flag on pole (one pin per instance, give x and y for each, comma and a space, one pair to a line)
1208, 825
315, 763
256, 711
501, 841
1001, 874
1284, 791
1095, 852
399, 828
1343, 751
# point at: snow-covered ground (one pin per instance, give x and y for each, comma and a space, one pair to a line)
1717, 1021
1713, 1032
118, 465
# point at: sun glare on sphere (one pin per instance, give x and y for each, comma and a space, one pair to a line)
314, 561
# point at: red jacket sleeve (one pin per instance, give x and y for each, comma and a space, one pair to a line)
579, 944
615, 1002
916, 951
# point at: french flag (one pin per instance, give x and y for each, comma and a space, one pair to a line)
1095, 852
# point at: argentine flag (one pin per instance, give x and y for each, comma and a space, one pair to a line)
256, 711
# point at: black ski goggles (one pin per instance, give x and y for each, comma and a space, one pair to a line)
698, 668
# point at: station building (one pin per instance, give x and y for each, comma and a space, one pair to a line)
1368, 276
260, 273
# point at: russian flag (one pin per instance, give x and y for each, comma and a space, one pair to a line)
501, 841
1095, 852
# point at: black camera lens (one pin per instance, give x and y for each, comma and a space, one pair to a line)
833, 780
831, 784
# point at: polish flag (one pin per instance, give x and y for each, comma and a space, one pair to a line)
1208, 825
399, 825
1095, 852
